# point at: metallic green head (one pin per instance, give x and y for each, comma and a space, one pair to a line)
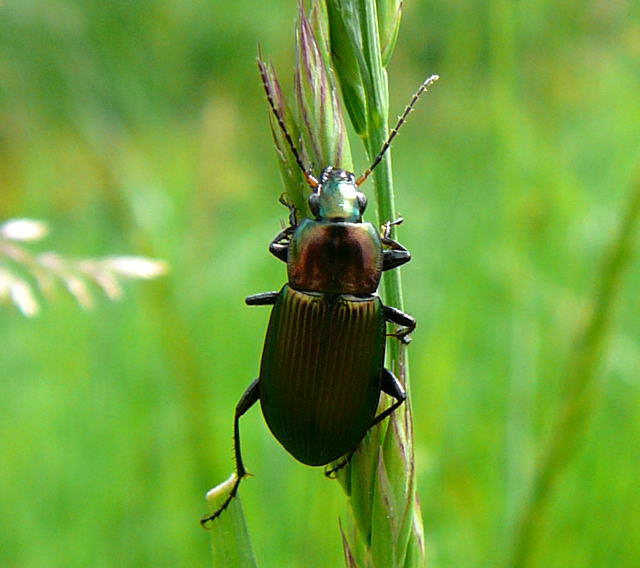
337, 197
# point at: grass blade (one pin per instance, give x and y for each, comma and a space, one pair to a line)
230, 541
581, 387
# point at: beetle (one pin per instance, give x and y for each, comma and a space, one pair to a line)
322, 369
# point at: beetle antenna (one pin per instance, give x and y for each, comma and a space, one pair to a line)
403, 118
311, 180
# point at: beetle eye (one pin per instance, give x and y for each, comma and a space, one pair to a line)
314, 204
362, 201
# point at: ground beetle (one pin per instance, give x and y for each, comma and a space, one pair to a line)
322, 368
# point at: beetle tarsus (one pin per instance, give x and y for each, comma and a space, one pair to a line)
386, 227
402, 336
405, 339
232, 494
293, 221
331, 472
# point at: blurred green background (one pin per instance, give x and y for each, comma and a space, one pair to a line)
140, 127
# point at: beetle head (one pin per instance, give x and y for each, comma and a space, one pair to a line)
337, 198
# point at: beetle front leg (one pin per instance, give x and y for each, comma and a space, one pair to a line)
279, 246
394, 315
293, 221
395, 255
393, 387
248, 399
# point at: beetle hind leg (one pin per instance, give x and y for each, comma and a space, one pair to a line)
331, 470
393, 387
248, 399
405, 321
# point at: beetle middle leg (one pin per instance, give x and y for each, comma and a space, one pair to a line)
247, 400
262, 299
393, 387
407, 323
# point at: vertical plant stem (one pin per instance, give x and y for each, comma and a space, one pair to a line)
381, 479
376, 92
581, 389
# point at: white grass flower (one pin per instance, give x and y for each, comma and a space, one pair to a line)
19, 292
23, 297
136, 266
25, 230
24, 273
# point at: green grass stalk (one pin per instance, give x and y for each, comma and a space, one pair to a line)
381, 477
230, 541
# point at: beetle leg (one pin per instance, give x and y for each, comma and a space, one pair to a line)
392, 258
331, 472
393, 387
279, 246
395, 255
386, 228
291, 207
394, 315
262, 299
247, 400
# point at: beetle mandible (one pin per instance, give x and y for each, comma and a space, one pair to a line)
322, 368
